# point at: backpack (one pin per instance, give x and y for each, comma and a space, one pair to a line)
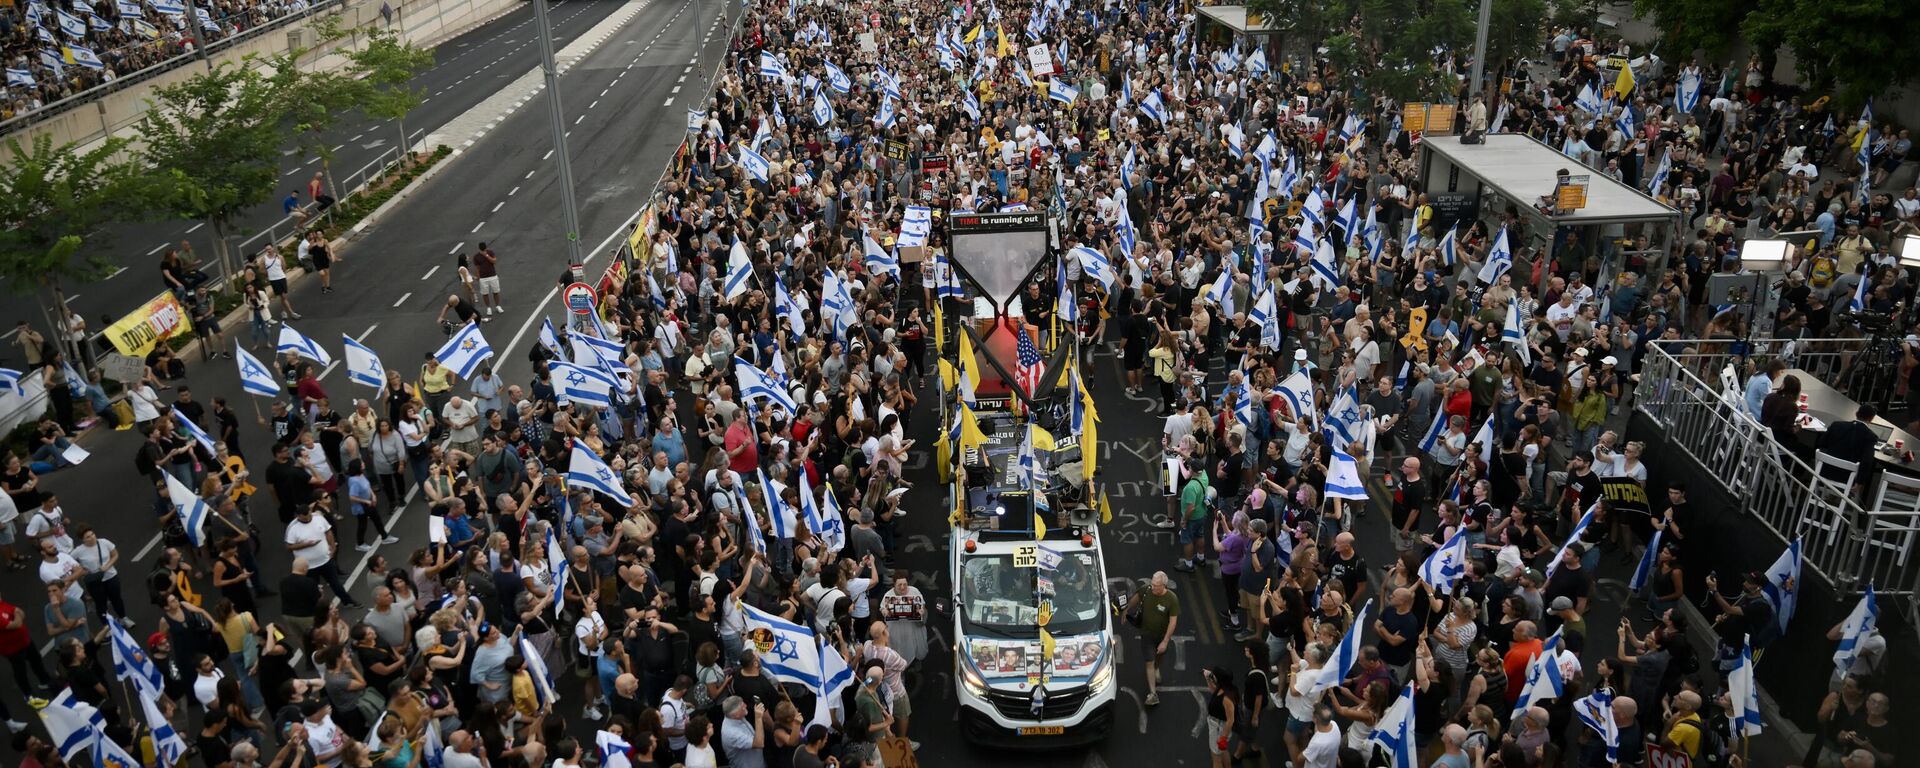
1823, 271
1713, 749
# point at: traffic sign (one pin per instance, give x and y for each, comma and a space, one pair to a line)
579, 298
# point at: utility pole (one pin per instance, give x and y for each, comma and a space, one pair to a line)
1480, 49
560, 161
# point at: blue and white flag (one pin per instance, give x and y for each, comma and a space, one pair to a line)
1393, 733
1659, 178
583, 385
889, 83
916, 227
255, 378
1373, 235
1513, 334
1449, 249
1345, 655
97, 24
464, 351
363, 364
1544, 679
1352, 126
1447, 564
971, 104
71, 25
85, 57
191, 508
838, 80
755, 164
21, 77
835, 677
827, 522
1783, 584
1745, 720
1095, 265
754, 384
536, 668
1265, 315
787, 650
74, 725
739, 268
1485, 437
1860, 624
434, 753
1221, 292
1125, 234
791, 308
1686, 97
1066, 306
1297, 391
131, 663
586, 469
1859, 300
771, 67
1644, 571
1058, 90
169, 7
1595, 710
887, 116
1343, 479
1589, 102
1411, 242
877, 259
613, 750
10, 381
550, 338
696, 120
129, 9
1326, 267
194, 431
1499, 259
1154, 107
167, 743
292, 341
822, 109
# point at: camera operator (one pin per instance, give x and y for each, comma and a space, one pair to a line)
463, 312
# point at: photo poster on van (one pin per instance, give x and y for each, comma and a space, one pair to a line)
1072, 656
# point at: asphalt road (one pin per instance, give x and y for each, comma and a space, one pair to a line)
467, 69
394, 276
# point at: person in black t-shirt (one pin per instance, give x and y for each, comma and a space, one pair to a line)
1344, 563
1409, 501
292, 484
1580, 488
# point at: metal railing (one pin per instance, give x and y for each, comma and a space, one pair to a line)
1842, 543
131, 79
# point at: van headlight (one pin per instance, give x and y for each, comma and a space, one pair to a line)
1102, 677
971, 680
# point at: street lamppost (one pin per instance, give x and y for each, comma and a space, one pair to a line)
569, 211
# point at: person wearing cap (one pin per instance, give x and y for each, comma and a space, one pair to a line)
325, 740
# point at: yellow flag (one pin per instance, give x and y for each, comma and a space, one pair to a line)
1106, 509
949, 378
1042, 439
1006, 48
1623, 84
1089, 434
1039, 522
939, 331
969, 367
943, 457
970, 434
973, 34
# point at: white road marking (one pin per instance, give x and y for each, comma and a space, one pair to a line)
496, 206
511, 191
403, 298
455, 249
430, 272
576, 120
547, 156
676, 89
476, 227
158, 248
116, 273
368, 332
196, 227
596, 102
529, 175
667, 103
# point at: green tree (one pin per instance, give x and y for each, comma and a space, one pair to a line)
1304, 24
216, 137
1694, 25
312, 103
388, 64
55, 207
1852, 48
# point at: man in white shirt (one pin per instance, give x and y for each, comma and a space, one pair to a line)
463, 421
588, 633
57, 567
206, 685
325, 741
310, 537
1560, 314
1323, 749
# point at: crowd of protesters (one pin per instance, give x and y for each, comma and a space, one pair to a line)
1180, 158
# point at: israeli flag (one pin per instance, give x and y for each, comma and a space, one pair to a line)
1412, 241
9, 380
1625, 120
1686, 97
1861, 623
1266, 316
787, 650
877, 259
1373, 236
1126, 234
167, 743
1783, 584
587, 470
835, 678
1345, 221
363, 364
193, 430
971, 104
1499, 259
1343, 479
255, 378
71, 25
130, 9
1236, 142
1485, 438
889, 84
756, 165
1059, 91
822, 109
1435, 432
21, 77
1305, 237
613, 750
98, 24
591, 350
536, 668
838, 80
1447, 564
771, 67
792, 308
1095, 264
169, 7
887, 115
1589, 102
1257, 62
1644, 570
131, 663
292, 341
1512, 333
1544, 681
583, 385
696, 120
1660, 172
1126, 91
191, 508
85, 57
1596, 711
827, 523
206, 21
1154, 107
755, 384
50, 59
1352, 127
1325, 268
434, 752
1345, 655
739, 270
1449, 255
1221, 292
550, 338
1746, 720
464, 351
1065, 304
1393, 734
916, 227
1297, 390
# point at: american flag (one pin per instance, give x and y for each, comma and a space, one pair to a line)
1028, 377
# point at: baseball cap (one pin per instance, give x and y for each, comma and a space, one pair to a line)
1609, 360
1561, 603
154, 640
1300, 354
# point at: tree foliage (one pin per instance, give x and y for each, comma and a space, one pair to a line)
388, 64
1694, 25
55, 205
1852, 48
217, 137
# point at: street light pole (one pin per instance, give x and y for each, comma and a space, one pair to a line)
1480, 48
560, 160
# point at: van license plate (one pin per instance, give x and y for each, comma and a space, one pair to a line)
1043, 730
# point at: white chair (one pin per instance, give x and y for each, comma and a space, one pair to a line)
1894, 522
1829, 494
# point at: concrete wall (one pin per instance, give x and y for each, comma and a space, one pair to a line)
424, 22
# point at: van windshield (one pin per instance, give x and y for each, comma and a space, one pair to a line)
1001, 600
